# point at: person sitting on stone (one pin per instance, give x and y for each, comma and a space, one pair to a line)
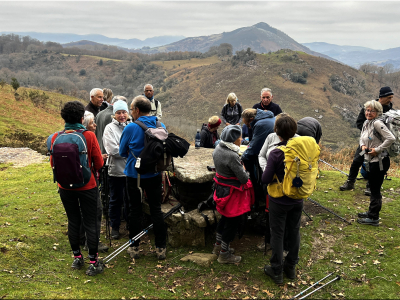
234, 201
209, 134
231, 113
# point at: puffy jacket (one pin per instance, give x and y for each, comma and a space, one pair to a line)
111, 140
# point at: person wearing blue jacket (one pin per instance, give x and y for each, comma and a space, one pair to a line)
131, 145
261, 122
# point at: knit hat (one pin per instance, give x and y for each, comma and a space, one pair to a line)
120, 105
231, 133
385, 91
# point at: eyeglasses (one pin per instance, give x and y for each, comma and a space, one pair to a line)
370, 111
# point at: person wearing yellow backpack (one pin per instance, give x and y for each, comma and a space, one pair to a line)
291, 176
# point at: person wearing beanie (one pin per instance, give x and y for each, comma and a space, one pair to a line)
209, 134
385, 99
116, 166
231, 202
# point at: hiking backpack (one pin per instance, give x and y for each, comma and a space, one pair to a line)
70, 159
301, 169
391, 119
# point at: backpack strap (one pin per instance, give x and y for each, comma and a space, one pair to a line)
156, 103
142, 125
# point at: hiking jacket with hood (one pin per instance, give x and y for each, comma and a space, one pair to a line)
361, 116
231, 115
206, 137
111, 139
262, 126
132, 141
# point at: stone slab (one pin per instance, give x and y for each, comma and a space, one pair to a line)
202, 259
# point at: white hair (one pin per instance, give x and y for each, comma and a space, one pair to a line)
116, 98
266, 90
87, 117
148, 85
94, 91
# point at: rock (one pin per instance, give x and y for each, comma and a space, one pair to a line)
320, 117
202, 259
316, 110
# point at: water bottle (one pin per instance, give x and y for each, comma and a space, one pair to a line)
197, 140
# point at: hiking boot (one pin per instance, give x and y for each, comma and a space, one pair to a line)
78, 263
102, 247
161, 253
133, 252
115, 234
367, 191
228, 258
217, 249
278, 279
290, 271
363, 215
368, 221
347, 186
95, 268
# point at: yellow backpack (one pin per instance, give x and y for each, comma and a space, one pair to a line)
301, 169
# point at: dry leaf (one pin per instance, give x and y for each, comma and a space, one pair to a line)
172, 290
376, 262
217, 288
68, 288
86, 281
322, 235
338, 261
398, 283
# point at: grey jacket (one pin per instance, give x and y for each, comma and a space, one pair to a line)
111, 139
380, 141
227, 163
102, 120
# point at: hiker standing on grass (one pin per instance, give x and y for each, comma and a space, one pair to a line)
231, 113
385, 99
131, 145
96, 100
234, 201
116, 166
81, 203
375, 139
209, 134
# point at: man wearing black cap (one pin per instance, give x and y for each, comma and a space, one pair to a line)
385, 98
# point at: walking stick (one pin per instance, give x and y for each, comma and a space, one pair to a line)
321, 160
307, 215
142, 233
302, 292
328, 210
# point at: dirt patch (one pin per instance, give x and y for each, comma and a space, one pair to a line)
20, 157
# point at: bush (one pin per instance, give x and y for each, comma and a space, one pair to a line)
39, 100
14, 83
82, 72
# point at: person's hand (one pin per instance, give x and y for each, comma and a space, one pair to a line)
228, 123
105, 156
372, 152
237, 123
363, 148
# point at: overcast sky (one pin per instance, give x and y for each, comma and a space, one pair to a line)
362, 23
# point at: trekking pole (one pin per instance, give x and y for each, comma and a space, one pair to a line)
321, 160
307, 215
328, 210
105, 192
336, 278
302, 292
138, 236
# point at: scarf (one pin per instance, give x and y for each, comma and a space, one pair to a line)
230, 146
74, 126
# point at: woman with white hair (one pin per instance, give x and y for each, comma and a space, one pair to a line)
232, 111
116, 165
88, 121
375, 139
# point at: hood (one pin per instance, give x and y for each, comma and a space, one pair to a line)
309, 126
262, 114
149, 121
204, 126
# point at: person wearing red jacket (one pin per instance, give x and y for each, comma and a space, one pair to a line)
82, 200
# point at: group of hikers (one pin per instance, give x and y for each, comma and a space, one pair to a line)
113, 131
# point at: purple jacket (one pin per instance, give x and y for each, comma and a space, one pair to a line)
276, 165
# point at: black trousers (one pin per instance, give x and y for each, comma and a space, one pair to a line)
356, 165
82, 206
228, 227
82, 232
253, 167
152, 187
117, 199
375, 180
284, 217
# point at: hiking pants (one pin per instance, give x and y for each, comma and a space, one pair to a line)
82, 205
284, 217
228, 227
356, 165
117, 199
375, 180
152, 188
82, 231
253, 167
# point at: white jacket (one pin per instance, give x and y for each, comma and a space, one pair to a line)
111, 138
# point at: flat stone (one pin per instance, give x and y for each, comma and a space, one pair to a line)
192, 168
202, 259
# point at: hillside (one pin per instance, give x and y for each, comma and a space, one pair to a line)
200, 92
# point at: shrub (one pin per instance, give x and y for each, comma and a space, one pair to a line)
82, 72
14, 83
39, 100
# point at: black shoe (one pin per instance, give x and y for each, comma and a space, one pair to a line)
95, 269
368, 221
290, 271
347, 186
115, 234
363, 215
367, 191
78, 263
278, 279
102, 247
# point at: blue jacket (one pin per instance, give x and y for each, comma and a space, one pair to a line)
262, 126
132, 140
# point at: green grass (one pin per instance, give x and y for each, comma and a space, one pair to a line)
33, 221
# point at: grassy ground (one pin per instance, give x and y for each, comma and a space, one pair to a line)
186, 63
35, 255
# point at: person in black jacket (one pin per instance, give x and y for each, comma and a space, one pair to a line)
385, 98
231, 113
96, 100
209, 134
266, 102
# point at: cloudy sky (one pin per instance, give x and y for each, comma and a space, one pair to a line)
361, 23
